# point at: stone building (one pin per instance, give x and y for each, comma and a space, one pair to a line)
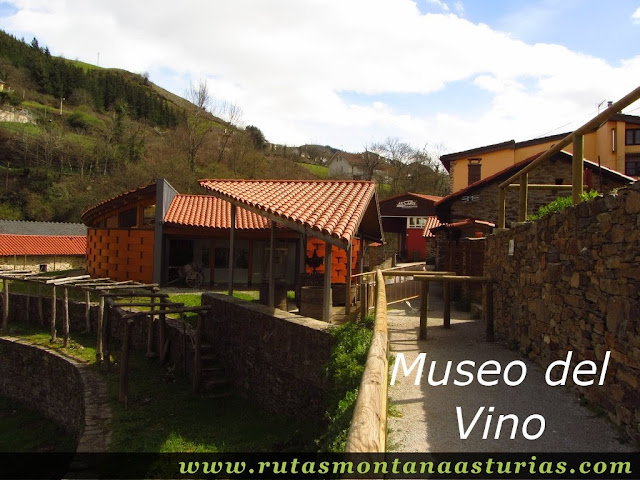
480, 200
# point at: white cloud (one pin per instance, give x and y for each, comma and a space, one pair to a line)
636, 16
287, 64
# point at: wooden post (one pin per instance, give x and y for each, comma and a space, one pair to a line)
501, 207
53, 313
124, 364
87, 310
40, 309
232, 238
524, 193
183, 317
424, 311
5, 304
150, 353
446, 299
164, 341
65, 311
27, 302
197, 356
364, 297
326, 297
347, 305
488, 316
106, 337
272, 273
99, 330
577, 168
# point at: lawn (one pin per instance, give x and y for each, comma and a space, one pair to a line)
317, 170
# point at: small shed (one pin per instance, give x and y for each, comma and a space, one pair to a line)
406, 217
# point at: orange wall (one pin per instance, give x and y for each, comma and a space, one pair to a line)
338, 259
595, 143
120, 254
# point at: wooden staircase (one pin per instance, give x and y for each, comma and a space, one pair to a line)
213, 381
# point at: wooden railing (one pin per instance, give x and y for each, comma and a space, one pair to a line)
368, 431
577, 167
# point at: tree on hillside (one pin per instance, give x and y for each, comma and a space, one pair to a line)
231, 114
197, 124
372, 160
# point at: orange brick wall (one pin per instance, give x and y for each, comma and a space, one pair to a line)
120, 254
338, 259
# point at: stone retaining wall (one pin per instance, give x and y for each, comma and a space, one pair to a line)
274, 357
572, 284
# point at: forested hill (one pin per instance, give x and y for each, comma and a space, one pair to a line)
90, 133
62, 78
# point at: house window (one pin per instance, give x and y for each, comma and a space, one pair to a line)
475, 171
149, 215
632, 164
417, 222
633, 137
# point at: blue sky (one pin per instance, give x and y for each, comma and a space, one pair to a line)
446, 75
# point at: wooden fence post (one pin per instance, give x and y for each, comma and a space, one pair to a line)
424, 310
99, 330
40, 309
65, 311
446, 298
87, 310
124, 364
5, 304
53, 313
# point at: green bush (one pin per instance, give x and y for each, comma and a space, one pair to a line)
83, 121
560, 204
345, 370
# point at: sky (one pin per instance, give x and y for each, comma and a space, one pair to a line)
437, 74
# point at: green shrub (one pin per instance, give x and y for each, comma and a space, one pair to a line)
560, 204
345, 370
83, 121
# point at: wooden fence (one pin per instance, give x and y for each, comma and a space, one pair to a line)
368, 431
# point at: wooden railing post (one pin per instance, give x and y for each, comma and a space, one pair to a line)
5, 304
501, 207
577, 168
53, 313
65, 317
524, 193
424, 311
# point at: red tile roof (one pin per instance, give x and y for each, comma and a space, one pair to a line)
42, 245
210, 212
432, 222
331, 207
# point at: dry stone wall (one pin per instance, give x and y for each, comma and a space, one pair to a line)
573, 284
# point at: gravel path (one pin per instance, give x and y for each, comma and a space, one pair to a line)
428, 419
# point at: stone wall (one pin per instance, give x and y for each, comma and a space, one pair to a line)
572, 284
274, 357
52, 262
44, 381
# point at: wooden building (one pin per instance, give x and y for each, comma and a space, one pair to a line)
233, 234
406, 217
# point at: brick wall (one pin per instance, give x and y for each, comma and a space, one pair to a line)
572, 285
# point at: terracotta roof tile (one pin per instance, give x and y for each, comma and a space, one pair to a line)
42, 245
332, 207
210, 212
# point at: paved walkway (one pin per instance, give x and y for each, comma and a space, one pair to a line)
428, 421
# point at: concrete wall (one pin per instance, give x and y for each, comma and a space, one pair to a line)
572, 285
274, 357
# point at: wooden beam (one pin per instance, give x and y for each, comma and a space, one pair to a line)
347, 305
502, 201
326, 297
87, 310
63, 280
272, 273
164, 311
424, 311
65, 317
99, 330
588, 127
540, 186
524, 196
53, 313
417, 273
232, 241
5, 304
577, 166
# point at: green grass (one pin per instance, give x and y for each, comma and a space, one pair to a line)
163, 415
28, 128
317, 170
25, 430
